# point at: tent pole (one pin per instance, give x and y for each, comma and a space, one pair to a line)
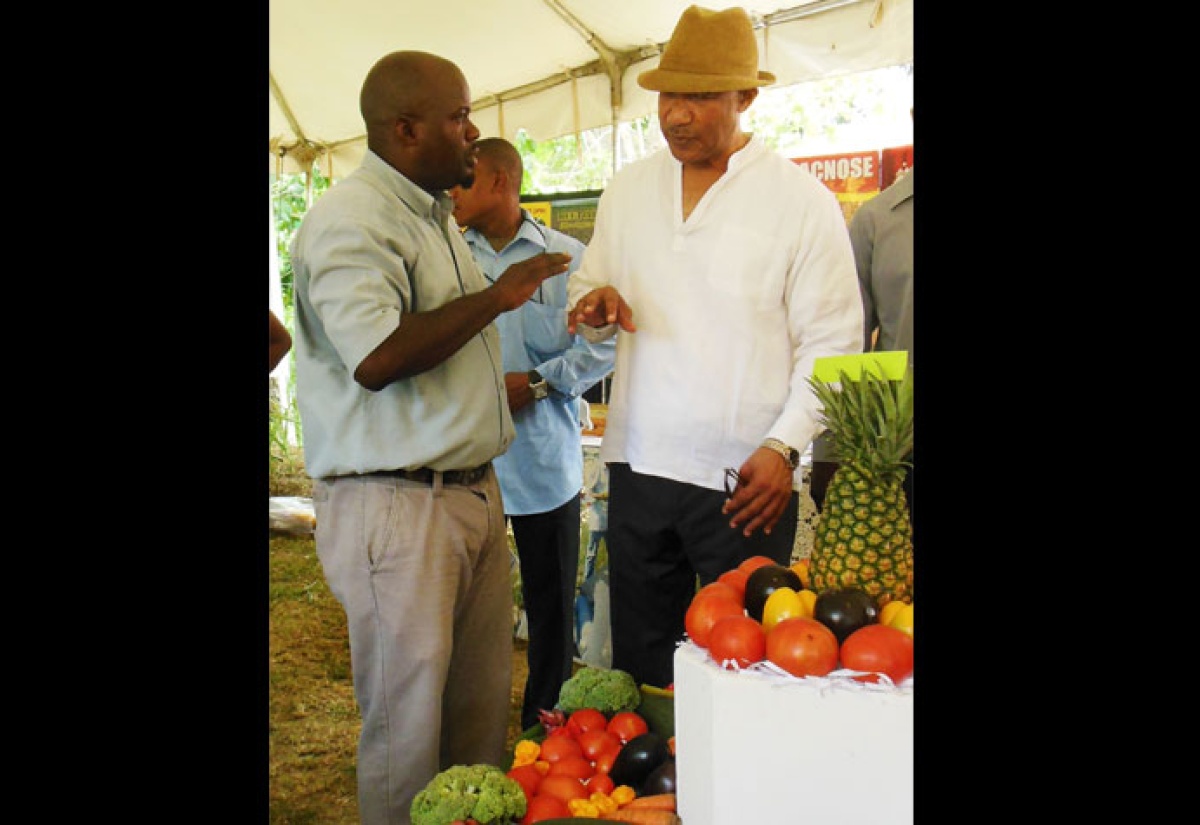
575, 111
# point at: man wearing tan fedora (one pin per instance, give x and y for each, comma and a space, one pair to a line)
728, 271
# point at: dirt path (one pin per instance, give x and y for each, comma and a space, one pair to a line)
520, 670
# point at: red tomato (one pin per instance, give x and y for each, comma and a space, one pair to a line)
576, 767
737, 580
528, 777
555, 748
543, 807
600, 783
737, 640
878, 648
754, 562
627, 724
802, 647
719, 588
586, 719
564, 787
705, 610
595, 742
605, 760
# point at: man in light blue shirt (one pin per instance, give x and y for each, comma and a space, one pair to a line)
546, 370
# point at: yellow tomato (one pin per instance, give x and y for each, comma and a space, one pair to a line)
890, 610
800, 568
783, 603
808, 598
903, 620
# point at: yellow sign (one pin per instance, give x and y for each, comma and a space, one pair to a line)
890, 365
540, 210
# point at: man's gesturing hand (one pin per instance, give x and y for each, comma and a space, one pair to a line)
522, 279
599, 308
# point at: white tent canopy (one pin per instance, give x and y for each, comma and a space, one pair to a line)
549, 67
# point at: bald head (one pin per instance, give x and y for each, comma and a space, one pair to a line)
403, 83
416, 107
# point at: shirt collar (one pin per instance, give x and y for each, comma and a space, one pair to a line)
530, 231
437, 208
901, 189
527, 231
753, 148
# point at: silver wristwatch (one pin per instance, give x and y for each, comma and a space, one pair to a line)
538, 385
790, 454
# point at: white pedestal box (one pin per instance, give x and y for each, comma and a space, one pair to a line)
757, 747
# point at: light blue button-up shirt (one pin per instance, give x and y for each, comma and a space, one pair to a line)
543, 467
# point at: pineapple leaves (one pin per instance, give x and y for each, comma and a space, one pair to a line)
871, 420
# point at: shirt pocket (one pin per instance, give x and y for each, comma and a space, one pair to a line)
747, 265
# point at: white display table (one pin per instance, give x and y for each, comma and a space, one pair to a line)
756, 747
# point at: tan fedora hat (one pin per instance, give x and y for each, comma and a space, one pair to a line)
709, 51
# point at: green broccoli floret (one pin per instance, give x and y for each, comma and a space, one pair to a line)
480, 792
608, 690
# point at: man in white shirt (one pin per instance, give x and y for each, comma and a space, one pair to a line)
738, 269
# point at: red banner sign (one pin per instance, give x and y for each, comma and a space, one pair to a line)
844, 173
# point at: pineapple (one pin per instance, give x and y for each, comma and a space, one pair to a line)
863, 537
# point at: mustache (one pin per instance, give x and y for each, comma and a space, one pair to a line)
679, 134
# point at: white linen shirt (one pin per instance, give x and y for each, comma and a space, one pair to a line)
372, 248
543, 467
732, 307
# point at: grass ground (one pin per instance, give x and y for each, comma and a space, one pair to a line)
313, 719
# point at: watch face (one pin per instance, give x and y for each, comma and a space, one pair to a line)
538, 385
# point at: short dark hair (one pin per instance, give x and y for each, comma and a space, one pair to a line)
504, 156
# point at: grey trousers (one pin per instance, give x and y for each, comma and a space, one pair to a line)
422, 571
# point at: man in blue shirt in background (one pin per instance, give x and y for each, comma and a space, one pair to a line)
546, 370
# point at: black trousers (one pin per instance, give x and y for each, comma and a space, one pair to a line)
548, 553
665, 537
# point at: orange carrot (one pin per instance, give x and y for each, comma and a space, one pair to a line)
642, 816
655, 802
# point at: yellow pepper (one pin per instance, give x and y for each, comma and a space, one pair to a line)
583, 808
603, 802
622, 795
526, 753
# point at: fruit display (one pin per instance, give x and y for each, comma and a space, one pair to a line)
863, 537
802, 632
593, 765
840, 618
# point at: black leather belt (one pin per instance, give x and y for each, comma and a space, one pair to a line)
424, 475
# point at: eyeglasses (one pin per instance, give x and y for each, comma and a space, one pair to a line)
732, 479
